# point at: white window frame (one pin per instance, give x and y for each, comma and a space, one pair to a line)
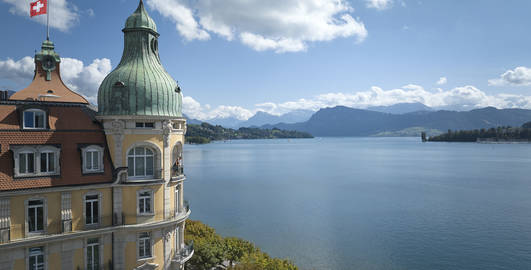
44, 217
42, 253
26, 153
37, 150
145, 156
177, 200
92, 149
47, 154
89, 246
34, 111
139, 199
85, 201
143, 240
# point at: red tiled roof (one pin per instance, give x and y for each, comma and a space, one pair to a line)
70, 126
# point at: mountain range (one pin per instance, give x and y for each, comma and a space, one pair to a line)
259, 119
345, 121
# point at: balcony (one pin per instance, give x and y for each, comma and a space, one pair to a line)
177, 172
56, 230
184, 254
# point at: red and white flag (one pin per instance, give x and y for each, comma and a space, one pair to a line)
38, 8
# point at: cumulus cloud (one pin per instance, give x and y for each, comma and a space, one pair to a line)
65, 14
442, 80
194, 109
380, 4
84, 79
520, 76
20, 71
280, 26
462, 98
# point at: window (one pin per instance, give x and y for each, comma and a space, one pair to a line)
144, 202
140, 162
144, 125
144, 245
47, 162
35, 216
93, 254
92, 159
91, 209
177, 200
36, 160
36, 258
92, 162
34, 118
26, 163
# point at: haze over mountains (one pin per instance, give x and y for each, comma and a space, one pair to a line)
404, 119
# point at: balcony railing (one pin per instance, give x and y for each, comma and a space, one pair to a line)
177, 171
184, 254
79, 224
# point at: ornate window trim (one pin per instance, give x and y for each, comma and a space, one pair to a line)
44, 216
141, 236
92, 149
44, 252
96, 224
37, 150
86, 246
156, 160
152, 202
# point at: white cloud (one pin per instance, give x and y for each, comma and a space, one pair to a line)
195, 110
520, 76
380, 4
465, 97
17, 71
83, 79
64, 15
442, 81
281, 25
183, 17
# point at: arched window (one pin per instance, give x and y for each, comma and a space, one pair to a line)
140, 162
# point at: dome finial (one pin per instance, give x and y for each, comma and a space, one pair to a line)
141, 4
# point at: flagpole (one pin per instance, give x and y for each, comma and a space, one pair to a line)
48, 20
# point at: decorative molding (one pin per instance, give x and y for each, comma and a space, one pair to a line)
147, 266
167, 128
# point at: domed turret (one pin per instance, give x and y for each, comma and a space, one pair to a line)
140, 85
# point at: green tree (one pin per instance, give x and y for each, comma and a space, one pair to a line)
208, 246
236, 248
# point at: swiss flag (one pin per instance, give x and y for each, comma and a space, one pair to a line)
38, 8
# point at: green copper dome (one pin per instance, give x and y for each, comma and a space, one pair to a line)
140, 85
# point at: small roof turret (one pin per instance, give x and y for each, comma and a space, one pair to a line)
140, 19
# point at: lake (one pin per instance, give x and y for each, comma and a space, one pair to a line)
368, 203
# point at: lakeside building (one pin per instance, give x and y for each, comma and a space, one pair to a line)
95, 189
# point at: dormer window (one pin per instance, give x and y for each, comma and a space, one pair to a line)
26, 161
34, 119
92, 159
36, 160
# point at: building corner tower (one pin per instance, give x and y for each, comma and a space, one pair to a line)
139, 105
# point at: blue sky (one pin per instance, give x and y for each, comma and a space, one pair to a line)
233, 58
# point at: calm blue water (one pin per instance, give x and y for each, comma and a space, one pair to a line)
368, 203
